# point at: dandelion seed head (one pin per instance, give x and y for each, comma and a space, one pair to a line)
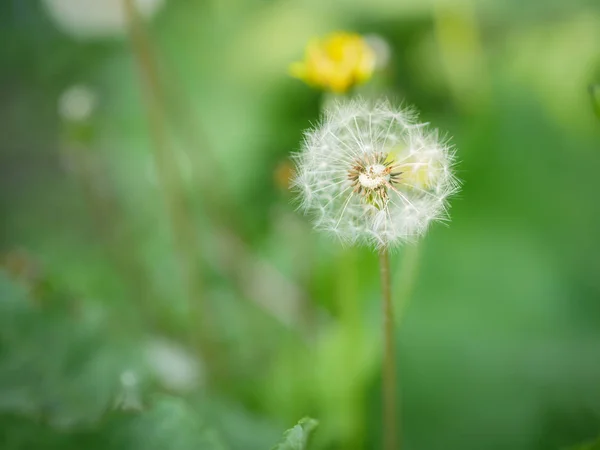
373, 175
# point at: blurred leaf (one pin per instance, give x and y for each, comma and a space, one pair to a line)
59, 357
170, 424
297, 438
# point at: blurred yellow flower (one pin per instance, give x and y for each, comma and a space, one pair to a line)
337, 62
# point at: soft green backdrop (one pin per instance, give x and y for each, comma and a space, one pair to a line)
499, 346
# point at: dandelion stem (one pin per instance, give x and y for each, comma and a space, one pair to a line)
390, 418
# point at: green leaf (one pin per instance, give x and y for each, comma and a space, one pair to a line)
297, 438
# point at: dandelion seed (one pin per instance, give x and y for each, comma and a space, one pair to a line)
336, 63
371, 174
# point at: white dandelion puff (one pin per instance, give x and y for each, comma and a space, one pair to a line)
372, 174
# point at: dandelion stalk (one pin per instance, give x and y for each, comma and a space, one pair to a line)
390, 410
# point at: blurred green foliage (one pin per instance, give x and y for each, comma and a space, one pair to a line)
498, 347
296, 438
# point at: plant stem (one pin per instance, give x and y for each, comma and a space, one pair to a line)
169, 177
390, 420
201, 328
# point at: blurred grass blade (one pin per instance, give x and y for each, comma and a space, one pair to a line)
595, 95
297, 438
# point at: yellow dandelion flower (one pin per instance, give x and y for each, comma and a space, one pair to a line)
337, 63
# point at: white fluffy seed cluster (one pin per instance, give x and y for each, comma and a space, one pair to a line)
371, 174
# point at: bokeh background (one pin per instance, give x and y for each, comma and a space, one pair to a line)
160, 290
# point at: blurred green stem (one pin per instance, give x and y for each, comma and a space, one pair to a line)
182, 226
595, 96
390, 419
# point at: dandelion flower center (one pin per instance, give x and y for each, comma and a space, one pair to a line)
375, 176
372, 175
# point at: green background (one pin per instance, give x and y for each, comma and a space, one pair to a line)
499, 345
